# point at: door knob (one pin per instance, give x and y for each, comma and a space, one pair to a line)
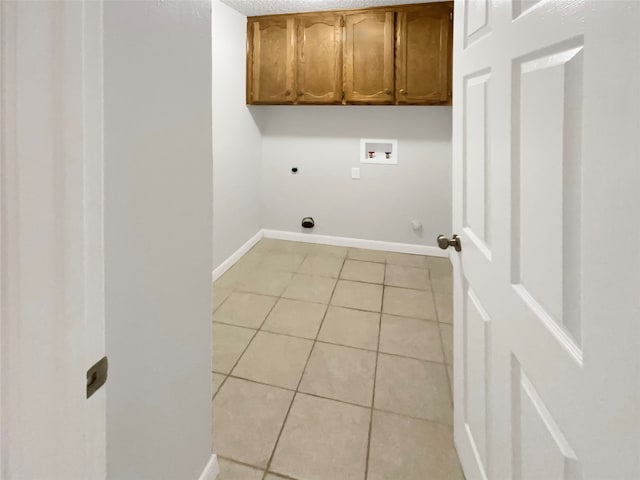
444, 242
403, 91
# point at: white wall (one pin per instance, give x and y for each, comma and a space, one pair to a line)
158, 238
323, 142
236, 139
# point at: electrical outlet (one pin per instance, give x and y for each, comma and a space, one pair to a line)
355, 173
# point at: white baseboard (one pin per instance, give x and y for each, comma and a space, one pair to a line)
356, 243
211, 469
326, 240
235, 256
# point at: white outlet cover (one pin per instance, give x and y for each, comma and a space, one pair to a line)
355, 173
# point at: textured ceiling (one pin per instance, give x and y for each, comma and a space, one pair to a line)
268, 7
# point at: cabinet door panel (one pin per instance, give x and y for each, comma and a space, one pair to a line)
368, 62
271, 61
423, 55
319, 58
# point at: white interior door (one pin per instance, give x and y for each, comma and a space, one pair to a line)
51, 242
546, 180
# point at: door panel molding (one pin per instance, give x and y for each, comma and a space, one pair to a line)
477, 368
540, 448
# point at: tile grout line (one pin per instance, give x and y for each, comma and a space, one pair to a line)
226, 375
278, 298
375, 377
444, 357
239, 462
391, 354
261, 329
347, 308
296, 271
340, 306
316, 395
235, 289
243, 351
295, 394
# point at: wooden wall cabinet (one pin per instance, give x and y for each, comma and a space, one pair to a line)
271, 62
423, 55
319, 58
380, 56
368, 57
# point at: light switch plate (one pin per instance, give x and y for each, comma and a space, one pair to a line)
355, 173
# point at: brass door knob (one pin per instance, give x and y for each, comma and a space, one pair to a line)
403, 91
287, 93
300, 93
387, 91
444, 242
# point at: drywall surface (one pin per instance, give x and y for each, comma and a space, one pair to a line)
236, 139
324, 143
158, 238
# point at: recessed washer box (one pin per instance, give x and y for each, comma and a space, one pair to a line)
378, 150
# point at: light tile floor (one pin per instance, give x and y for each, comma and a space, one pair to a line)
333, 364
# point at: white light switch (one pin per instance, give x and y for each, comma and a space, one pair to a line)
355, 173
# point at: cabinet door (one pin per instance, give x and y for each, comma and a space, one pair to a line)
368, 59
271, 63
319, 58
423, 55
